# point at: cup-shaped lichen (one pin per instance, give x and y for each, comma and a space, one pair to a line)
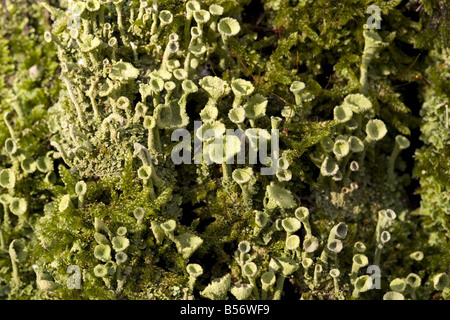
194, 270
244, 247
356, 145
165, 17
279, 197
392, 295
413, 281
191, 7
202, 16
120, 243
237, 115
18, 206
335, 274
28, 165
398, 285
11, 146
250, 270
121, 231
242, 291
80, 188
228, 27
297, 87
121, 258
255, 108
329, 167
417, 255
217, 289
358, 103
375, 130
341, 148
359, 247
362, 284
290, 225
100, 271
241, 89
65, 203
267, 281
441, 281
338, 231
139, 214
342, 113
215, 87
187, 243
158, 231
169, 228
359, 261
17, 251
292, 242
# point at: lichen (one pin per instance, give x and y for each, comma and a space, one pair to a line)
119, 178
